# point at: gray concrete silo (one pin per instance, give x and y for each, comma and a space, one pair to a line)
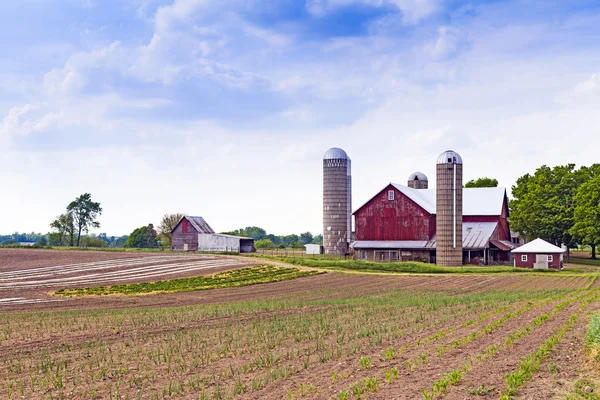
449, 209
418, 180
337, 201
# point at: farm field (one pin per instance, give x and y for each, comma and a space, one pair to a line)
326, 336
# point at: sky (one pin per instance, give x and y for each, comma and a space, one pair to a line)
224, 108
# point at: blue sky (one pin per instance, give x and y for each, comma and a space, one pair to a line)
225, 108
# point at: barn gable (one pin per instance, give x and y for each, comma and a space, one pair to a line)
197, 223
392, 215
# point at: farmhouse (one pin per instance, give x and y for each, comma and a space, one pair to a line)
538, 254
194, 234
399, 224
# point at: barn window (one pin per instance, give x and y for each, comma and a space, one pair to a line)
550, 258
363, 254
390, 195
394, 255
184, 226
524, 258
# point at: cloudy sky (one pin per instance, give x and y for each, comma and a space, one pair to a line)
225, 108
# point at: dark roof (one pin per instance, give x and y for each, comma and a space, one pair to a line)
199, 224
504, 245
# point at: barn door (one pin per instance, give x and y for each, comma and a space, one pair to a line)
541, 261
185, 247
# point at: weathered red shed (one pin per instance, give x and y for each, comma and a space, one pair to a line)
538, 254
399, 224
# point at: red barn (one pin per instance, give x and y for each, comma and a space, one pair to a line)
399, 224
539, 254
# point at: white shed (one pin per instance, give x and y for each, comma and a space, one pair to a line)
314, 249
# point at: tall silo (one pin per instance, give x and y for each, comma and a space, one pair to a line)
337, 201
449, 208
418, 180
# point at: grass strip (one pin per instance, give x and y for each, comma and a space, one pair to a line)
592, 341
402, 267
232, 278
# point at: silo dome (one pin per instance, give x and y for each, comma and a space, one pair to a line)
449, 157
335, 153
417, 176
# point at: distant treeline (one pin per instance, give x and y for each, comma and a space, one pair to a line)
53, 239
267, 240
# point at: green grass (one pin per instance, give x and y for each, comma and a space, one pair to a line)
233, 278
584, 261
403, 267
592, 340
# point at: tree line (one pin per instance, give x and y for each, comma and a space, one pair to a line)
560, 204
264, 240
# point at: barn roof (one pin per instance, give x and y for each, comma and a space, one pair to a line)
476, 201
538, 246
199, 224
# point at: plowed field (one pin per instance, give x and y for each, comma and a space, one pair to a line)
330, 336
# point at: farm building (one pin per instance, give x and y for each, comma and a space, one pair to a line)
399, 224
194, 234
314, 249
538, 254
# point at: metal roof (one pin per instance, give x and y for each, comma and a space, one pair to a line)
538, 246
199, 224
449, 157
476, 235
232, 236
476, 201
505, 245
335, 153
417, 176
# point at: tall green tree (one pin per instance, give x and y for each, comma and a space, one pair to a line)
85, 214
484, 182
543, 204
167, 223
64, 230
587, 214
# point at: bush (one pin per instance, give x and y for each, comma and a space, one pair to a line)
92, 242
264, 244
9, 242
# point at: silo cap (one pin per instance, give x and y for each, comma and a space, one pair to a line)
449, 157
335, 153
418, 176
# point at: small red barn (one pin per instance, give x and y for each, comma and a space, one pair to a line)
538, 254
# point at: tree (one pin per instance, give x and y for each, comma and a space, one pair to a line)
587, 214
306, 238
64, 227
484, 182
42, 242
144, 237
167, 223
318, 239
264, 244
85, 213
544, 203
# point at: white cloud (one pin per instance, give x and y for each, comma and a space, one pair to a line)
413, 11
446, 43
